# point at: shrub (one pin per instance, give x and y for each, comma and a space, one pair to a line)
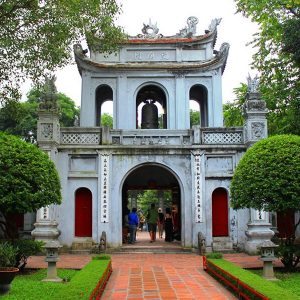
288, 252
8, 255
26, 248
214, 255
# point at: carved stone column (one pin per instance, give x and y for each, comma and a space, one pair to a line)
48, 137
255, 111
256, 129
258, 231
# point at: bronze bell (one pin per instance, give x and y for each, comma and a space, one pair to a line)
149, 115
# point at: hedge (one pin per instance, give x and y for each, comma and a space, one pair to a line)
258, 283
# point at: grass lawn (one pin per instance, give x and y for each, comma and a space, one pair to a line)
30, 286
76, 284
288, 281
274, 290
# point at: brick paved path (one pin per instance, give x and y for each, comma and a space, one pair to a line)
161, 276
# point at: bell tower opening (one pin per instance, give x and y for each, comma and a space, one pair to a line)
104, 99
151, 184
151, 108
198, 104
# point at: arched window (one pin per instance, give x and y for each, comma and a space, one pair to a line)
151, 108
198, 104
104, 102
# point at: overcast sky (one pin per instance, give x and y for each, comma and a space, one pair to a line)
171, 16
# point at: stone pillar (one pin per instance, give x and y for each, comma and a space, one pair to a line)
258, 231
160, 195
255, 127
133, 199
48, 138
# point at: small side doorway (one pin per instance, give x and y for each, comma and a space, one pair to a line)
285, 223
83, 213
219, 213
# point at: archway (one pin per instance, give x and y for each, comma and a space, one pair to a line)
198, 94
151, 104
83, 213
161, 184
104, 95
285, 223
219, 212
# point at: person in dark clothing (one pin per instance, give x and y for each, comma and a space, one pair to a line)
168, 225
160, 223
133, 222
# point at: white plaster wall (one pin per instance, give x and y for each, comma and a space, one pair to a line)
66, 211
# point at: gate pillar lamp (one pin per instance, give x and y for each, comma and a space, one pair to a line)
268, 256
52, 257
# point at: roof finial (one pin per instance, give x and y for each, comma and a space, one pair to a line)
190, 30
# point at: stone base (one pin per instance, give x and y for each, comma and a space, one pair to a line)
222, 244
257, 233
45, 231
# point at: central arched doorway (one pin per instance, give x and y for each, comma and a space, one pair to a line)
151, 183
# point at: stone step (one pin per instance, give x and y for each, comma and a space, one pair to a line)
160, 250
82, 245
222, 244
81, 251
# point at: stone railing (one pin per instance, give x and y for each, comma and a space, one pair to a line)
152, 137
221, 136
80, 136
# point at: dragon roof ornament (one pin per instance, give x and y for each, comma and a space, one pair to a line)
253, 84
150, 31
189, 30
214, 24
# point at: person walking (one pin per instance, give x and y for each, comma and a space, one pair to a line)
169, 227
161, 221
152, 219
133, 222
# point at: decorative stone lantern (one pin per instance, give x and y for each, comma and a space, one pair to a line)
268, 256
52, 257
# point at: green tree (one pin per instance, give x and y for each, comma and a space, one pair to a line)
267, 178
146, 197
37, 37
20, 118
107, 120
194, 117
277, 59
233, 112
28, 178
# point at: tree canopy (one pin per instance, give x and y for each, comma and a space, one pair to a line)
29, 179
194, 117
268, 175
20, 118
233, 111
107, 120
277, 59
37, 37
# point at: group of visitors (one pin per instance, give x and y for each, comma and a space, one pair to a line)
156, 220
164, 222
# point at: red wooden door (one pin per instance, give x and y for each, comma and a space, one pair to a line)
83, 212
219, 213
16, 219
285, 223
